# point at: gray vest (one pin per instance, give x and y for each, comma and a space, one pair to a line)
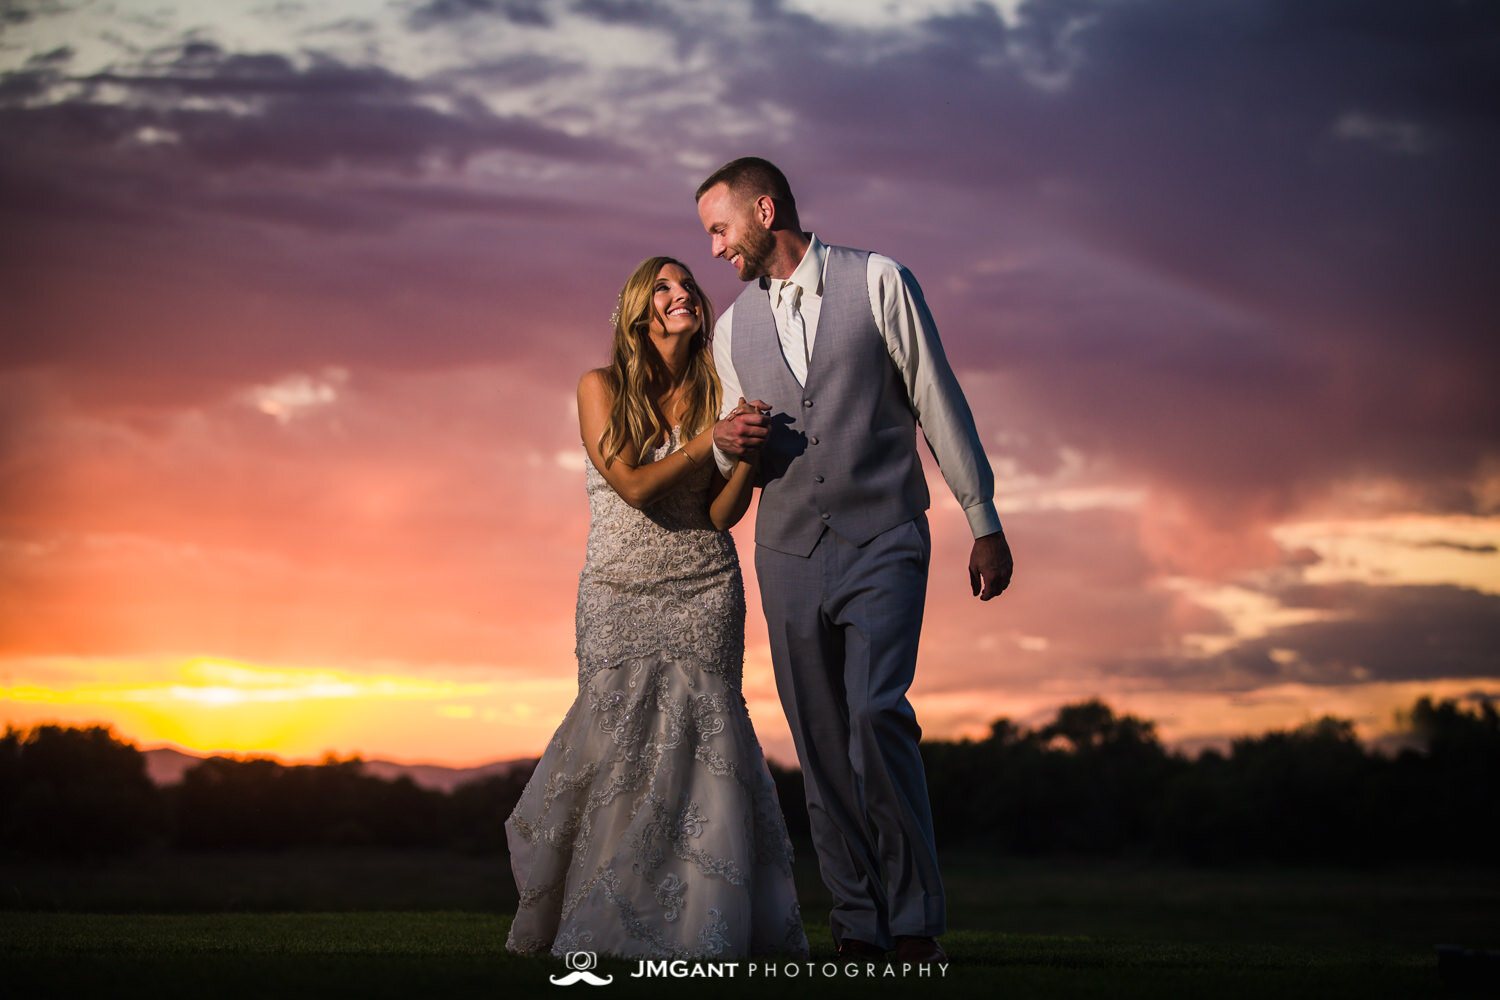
843, 450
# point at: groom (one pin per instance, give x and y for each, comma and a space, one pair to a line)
838, 351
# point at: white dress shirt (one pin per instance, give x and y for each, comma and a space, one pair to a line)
911, 338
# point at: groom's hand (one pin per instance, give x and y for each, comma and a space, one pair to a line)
744, 431
990, 566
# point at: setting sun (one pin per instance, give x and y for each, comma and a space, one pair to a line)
209, 705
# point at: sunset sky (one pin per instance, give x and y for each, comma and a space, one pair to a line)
295, 296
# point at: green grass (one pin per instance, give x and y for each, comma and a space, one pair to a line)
413, 926
294, 880
444, 954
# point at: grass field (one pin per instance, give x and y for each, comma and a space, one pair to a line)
408, 924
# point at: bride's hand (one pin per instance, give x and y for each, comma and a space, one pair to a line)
744, 430
758, 410
742, 407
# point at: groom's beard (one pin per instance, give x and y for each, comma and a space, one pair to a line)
753, 251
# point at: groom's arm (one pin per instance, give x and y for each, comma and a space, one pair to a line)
738, 437
947, 422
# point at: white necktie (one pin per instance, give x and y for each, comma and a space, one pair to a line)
794, 334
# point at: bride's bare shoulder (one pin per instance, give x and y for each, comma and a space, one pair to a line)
596, 381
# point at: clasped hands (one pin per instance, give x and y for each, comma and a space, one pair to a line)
744, 431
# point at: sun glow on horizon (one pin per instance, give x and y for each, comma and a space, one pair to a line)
215, 706
210, 705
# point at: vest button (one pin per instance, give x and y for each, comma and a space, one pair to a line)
807, 402
812, 440
825, 516
817, 479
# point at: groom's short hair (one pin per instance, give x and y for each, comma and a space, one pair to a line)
751, 177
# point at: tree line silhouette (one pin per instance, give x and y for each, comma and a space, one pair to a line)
1093, 782
1090, 782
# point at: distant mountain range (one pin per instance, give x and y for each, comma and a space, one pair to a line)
166, 766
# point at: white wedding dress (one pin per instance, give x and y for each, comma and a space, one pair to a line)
651, 827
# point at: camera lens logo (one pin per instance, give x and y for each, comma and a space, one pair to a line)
581, 962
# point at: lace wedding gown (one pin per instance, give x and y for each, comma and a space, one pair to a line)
651, 826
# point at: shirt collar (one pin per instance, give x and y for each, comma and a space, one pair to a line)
808, 274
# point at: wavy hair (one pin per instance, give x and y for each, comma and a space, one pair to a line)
636, 368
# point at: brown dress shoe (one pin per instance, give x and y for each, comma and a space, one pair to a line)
918, 950
854, 950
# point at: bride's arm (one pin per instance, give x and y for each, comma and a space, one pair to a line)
733, 497
638, 485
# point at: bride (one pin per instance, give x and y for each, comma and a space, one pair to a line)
651, 826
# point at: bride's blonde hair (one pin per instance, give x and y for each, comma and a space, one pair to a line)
636, 366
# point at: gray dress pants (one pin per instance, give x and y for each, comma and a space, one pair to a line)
844, 624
